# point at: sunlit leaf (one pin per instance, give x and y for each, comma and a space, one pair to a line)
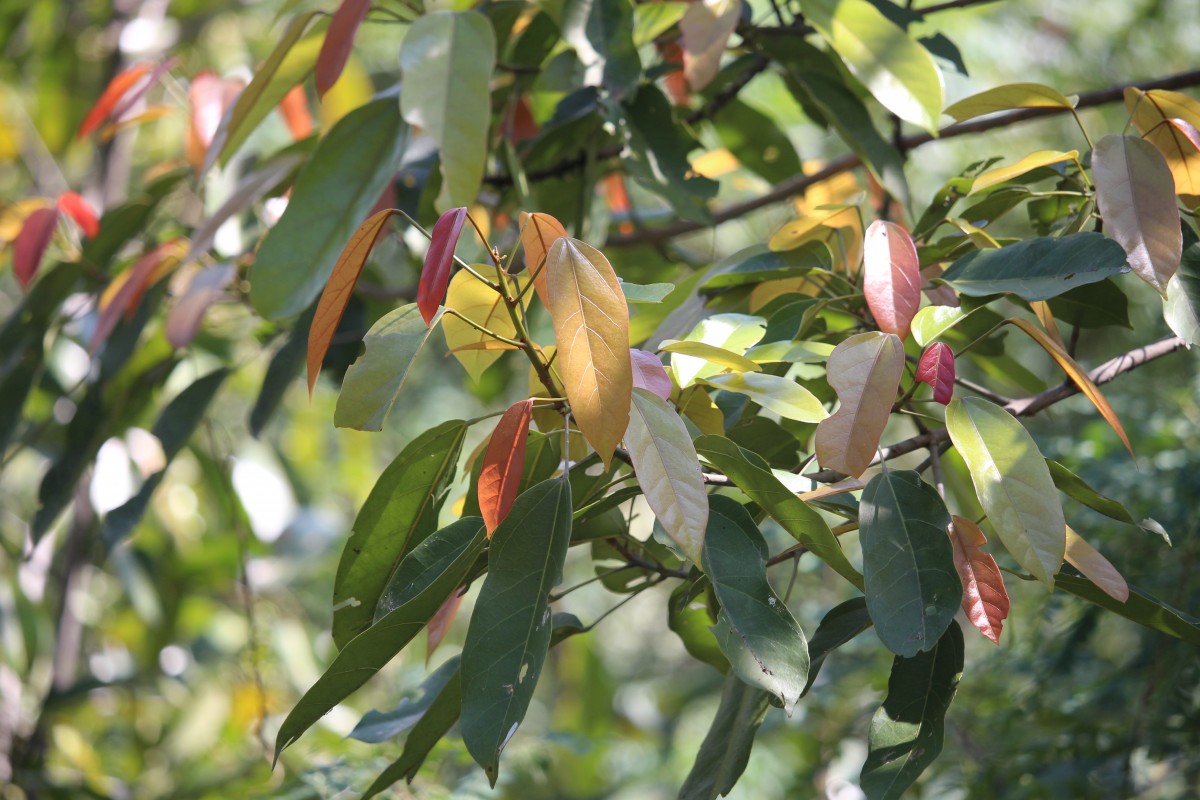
503, 462
726, 359
932, 321
649, 373
1012, 482
865, 371
701, 411
985, 600
1153, 114
31, 243
478, 302
1073, 486
439, 259
339, 40
1037, 269
538, 233
999, 175
790, 353
1095, 567
127, 289
705, 29
757, 264
725, 750
782, 395
891, 277
840, 228
1007, 97
112, 94
647, 293
936, 368
732, 332
80, 210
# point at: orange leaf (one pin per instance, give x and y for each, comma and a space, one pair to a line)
339, 40
936, 368
675, 80
294, 109
538, 233
439, 258
618, 200
31, 243
208, 97
132, 284
519, 124
1095, 567
985, 600
891, 277
502, 465
338, 289
439, 623
81, 211
649, 373
111, 95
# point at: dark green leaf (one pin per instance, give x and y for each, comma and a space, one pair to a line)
1037, 269
1093, 305
284, 367
1072, 485
757, 142
658, 155
601, 31
379, 726
19, 371
912, 587
726, 747
757, 264
840, 625
1141, 607
689, 617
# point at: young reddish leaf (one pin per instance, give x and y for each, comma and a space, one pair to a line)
439, 258
865, 371
1095, 567
81, 211
339, 40
208, 96
675, 81
936, 368
519, 124
439, 623
130, 98
618, 200
294, 109
985, 600
338, 289
111, 95
126, 290
538, 233
891, 277
502, 465
31, 243
649, 373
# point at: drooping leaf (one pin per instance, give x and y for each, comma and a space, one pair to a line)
726, 359
756, 632
1072, 485
400, 512
865, 371
1008, 172
80, 210
510, 628
757, 264
705, 30
936, 368
726, 747
668, 471
1153, 112
112, 94
31, 243
985, 600
843, 622
367, 653
538, 233
440, 622
891, 277
339, 288
932, 321
907, 731
649, 373
374, 380
428, 558
285, 365
1135, 193
750, 474
1141, 607
205, 288
1012, 482
503, 462
447, 58
478, 302
377, 726
591, 327
1007, 97
732, 332
782, 395
1095, 567
1094, 305
898, 71
439, 260
332, 195
1037, 269
912, 589
339, 41
1181, 309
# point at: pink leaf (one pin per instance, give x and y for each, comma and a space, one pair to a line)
128, 287
206, 288
936, 368
649, 374
892, 277
985, 600
435, 275
439, 623
335, 51
31, 244
81, 211
112, 94
139, 90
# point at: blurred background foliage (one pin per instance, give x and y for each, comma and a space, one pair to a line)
162, 670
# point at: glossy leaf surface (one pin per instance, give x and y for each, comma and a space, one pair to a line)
439, 260
936, 368
784, 396
891, 277
1037, 269
503, 462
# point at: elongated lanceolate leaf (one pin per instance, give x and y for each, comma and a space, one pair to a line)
1008, 172
726, 359
1072, 485
667, 470
538, 233
907, 731
591, 327
377, 726
1095, 567
985, 600
706, 27
400, 512
1153, 114
843, 622
31, 243
339, 41
912, 588
1007, 97
752, 475
112, 94
1141, 607
732, 332
1012, 482
447, 58
1135, 193
649, 373
510, 628
439, 259
339, 288
726, 747
936, 368
1037, 269
782, 395
332, 195
891, 277
756, 632
503, 462
865, 372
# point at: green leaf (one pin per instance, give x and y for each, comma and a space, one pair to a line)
657, 156
1009, 96
646, 293
601, 31
727, 359
900, 73
447, 59
369, 651
843, 622
752, 475
174, 427
689, 618
726, 748
1093, 305
932, 321
757, 264
283, 368
756, 632
379, 726
912, 587
651, 20
1037, 269
351, 167
1013, 483
1141, 607
1072, 485
733, 332
374, 381
789, 352
400, 512
510, 628
782, 395
1181, 309
757, 142
907, 730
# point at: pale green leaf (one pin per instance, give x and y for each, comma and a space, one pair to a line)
732, 332
932, 321
1007, 97
782, 395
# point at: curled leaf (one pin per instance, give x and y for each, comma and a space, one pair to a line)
339, 40
80, 210
649, 373
31, 243
439, 258
936, 368
891, 277
503, 462
985, 600
865, 372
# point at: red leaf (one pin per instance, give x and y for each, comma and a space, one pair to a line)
81, 211
339, 40
649, 374
128, 100
126, 290
519, 124
502, 465
936, 368
435, 275
439, 623
31, 243
675, 80
111, 95
891, 277
538, 233
294, 108
985, 600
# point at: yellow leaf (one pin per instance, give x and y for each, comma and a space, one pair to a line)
837, 189
476, 301
841, 487
1009, 96
999, 175
12, 216
697, 405
1041, 310
1149, 110
715, 163
710, 353
839, 228
538, 232
982, 239
865, 372
1095, 567
591, 327
352, 89
767, 291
